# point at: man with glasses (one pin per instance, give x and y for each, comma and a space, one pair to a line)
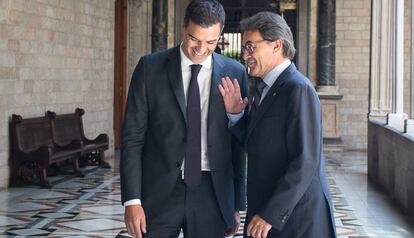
180, 166
287, 192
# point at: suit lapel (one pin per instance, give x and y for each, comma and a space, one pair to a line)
270, 97
215, 104
174, 74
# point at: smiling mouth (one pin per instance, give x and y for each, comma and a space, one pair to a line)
197, 53
250, 64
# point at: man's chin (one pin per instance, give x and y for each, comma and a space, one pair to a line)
198, 59
253, 74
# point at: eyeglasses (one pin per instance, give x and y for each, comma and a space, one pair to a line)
250, 46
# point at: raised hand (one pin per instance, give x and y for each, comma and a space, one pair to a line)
231, 93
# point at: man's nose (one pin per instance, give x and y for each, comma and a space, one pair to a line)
201, 47
246, 55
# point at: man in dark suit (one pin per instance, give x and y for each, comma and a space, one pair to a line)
180, 166
287, 192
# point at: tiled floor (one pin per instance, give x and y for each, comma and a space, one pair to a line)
90, 206
371, 211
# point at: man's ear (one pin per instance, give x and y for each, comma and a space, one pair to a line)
277, 45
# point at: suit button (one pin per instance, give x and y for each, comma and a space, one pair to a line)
178, 164
184, 140
284, 218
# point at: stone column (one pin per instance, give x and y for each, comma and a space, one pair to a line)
381, 61
302, 39
139, 32
326, 43
412, 63
313, 41
159, 25
171, 24
409, 123
326, 86
180, 6
397, 117
399, 58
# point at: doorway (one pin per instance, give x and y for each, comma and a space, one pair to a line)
236, 10
120, 68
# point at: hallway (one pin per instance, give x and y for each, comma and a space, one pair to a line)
90, 206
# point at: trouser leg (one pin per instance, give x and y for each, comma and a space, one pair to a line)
203, 218
169, 221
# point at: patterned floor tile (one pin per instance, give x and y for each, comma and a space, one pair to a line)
90, 206
78, 201
56, 215
50, 195
93, 224
26, 206
29, 232
105, 210
9, 221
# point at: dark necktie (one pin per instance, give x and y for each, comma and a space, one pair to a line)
260, 86
192, 165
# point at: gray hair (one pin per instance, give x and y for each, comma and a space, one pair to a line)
272, 27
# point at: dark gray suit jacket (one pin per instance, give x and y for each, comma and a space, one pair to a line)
154, 135
286, 182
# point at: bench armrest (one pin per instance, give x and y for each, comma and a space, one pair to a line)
41, 155
74, 144
102, 138
42, 151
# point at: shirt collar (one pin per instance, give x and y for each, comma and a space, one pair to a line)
271, 77
186, 62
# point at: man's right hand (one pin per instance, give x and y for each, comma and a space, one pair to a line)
231, 93
135, 220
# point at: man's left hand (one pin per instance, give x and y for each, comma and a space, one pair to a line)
233, 230
258, 228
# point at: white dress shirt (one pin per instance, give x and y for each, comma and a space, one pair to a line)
204, 84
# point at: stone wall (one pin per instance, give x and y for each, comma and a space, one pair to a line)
407, 52
139, 32
56, 55
391, 163
352, 69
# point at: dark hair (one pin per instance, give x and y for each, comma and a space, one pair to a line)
204, 13
272, 27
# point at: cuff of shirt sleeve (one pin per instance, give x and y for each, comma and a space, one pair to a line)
234, 118
132, 202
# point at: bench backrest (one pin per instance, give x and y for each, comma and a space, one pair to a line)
66, 127
31, 133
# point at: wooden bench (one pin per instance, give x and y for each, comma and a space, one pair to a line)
32, 151
69, 127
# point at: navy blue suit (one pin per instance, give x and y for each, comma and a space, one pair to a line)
286, 183
154, 131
